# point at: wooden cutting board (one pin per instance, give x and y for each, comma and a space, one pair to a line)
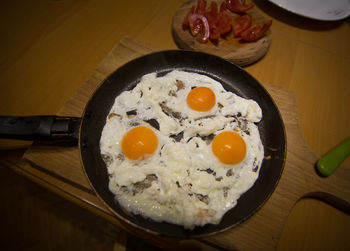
227, 47
259, 232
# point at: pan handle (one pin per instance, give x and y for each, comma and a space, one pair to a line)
39, 128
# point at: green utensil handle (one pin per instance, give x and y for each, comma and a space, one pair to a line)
329, 162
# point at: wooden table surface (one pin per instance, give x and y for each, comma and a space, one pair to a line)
48, 49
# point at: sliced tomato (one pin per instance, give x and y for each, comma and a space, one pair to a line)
212, 13
255, 32
199, 26
224, 22
214, 32
238, 6
242, 23
201, 6
185, 23
223, 6
212, 16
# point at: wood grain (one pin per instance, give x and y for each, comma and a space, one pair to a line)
226, 47
263, 229
50, 47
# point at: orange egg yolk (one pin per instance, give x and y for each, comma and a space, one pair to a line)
139, 143
201, 99
229, 147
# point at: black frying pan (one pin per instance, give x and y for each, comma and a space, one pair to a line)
232, 77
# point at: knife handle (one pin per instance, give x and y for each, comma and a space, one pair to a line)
332, 160
39, 128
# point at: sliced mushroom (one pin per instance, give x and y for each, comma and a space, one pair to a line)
138, 187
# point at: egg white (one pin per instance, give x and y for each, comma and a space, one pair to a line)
192, 187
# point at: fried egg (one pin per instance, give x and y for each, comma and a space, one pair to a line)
180, 148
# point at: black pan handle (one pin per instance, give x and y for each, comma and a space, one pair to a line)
39, 128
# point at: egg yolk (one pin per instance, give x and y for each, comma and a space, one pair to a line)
139, 143
229, 147
201, 99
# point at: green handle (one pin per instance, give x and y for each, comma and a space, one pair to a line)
328, 163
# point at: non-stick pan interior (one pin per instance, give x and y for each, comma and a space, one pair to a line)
234, 79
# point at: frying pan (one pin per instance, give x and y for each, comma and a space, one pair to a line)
232, 77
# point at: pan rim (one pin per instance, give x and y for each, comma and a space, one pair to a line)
192, 235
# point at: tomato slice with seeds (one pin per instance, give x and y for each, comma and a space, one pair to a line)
242, 23
238, 6
199, 27
255, 32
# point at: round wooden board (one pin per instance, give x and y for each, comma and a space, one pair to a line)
228, 47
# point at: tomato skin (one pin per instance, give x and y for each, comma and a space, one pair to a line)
199, 9
220, 23
214, 33
201, 6
242, 23
223, 6
238, 6
185, 23
224, 22
255, 32
211, 23
199, 26
212, 13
